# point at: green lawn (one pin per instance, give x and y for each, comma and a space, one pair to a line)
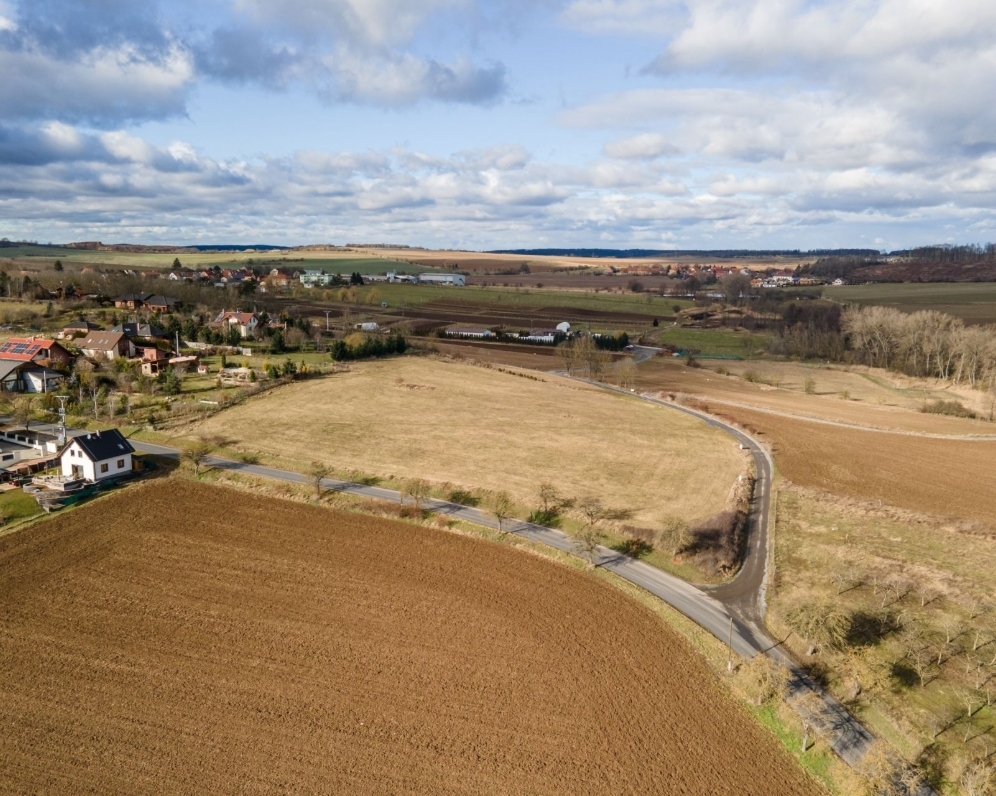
16, 505
713, 342
522, 298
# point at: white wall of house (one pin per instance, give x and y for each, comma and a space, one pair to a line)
91, 470
36, 382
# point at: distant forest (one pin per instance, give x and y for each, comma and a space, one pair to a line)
714, 253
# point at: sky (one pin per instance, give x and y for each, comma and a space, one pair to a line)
483, 124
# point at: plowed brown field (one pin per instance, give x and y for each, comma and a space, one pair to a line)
947, 478
182, 638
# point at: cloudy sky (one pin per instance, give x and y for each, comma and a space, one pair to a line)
500, 123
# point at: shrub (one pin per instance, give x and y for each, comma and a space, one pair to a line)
950, 408
809, 385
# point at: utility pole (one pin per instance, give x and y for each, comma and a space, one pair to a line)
327, 313
61, 431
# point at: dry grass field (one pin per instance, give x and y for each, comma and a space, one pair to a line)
183, 638
480, 428
940, 477
916, 590
858, 395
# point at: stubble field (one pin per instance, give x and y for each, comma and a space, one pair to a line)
181, 638
476, 428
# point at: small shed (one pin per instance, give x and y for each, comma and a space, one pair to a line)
97, 456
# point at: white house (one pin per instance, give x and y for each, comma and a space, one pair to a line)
97, 455
245, 322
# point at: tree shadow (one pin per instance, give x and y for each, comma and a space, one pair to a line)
635, 548
903, 675
550, 519
867, 629
464, 498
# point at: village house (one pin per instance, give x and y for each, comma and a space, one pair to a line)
36, 350
16, 376
245, 322
107, 345
97, 456
131, 301
162, 304
77, 329
140, 331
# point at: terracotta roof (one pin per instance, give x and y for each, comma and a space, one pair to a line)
24, 349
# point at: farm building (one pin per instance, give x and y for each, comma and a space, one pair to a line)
97, 456
442, 279
107, 345
34, 349
468, 331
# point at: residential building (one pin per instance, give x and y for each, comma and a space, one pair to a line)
245, 322
97, 456
162, 304
143, 331
131, 301
77, 329
35, 349
19, 376
107, 345
316, 279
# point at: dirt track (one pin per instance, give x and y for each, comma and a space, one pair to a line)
180, 638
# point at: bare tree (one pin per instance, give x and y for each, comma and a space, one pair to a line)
501, 507
196, 454
978, 779
880, 771
762, 679
319, 472
549, 498
673, 535
821, 622
591, 509
418, 490
811, 710
921, 662
22, 410
588, 539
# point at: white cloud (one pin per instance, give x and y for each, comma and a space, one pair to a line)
381, 23
635, 17
646, 146
116, 84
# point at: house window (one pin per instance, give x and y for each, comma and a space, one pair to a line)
103, 468
120, 463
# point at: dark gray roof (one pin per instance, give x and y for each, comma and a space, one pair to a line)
132, 329
8, 366
100, 445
